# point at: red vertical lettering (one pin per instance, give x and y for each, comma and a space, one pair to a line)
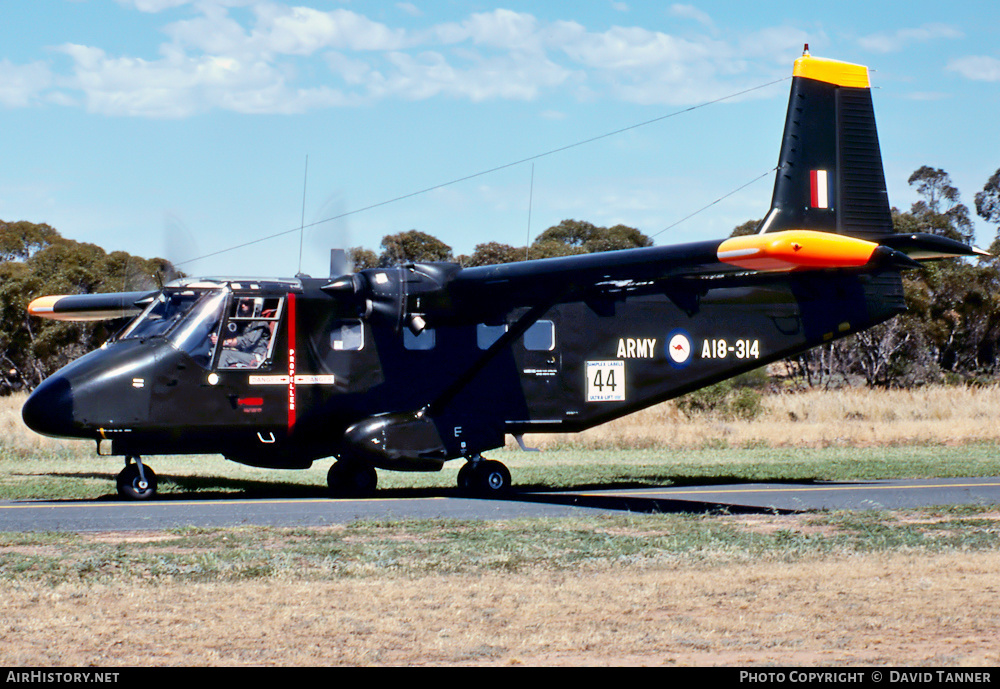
291, 360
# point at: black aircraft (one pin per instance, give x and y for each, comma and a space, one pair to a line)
406, 368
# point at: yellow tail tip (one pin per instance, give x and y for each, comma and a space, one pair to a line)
831, 71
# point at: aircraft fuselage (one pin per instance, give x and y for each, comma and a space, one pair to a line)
333, 383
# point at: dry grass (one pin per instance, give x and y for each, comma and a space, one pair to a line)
18, 439
854, 417
866, 609
898, 607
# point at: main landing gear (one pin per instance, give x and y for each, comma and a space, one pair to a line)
136, 481
348, 479
484, 478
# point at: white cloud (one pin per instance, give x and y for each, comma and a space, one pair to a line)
153, 6
897, 40
271, 57
501, 29
303, 31
410, 9
690, 12
977, 67
281, 30
179, 85
632, 47
430, 74
21, 84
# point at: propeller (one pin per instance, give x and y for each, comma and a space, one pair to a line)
178, 243
405, 296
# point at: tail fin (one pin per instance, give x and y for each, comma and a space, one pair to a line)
830, 175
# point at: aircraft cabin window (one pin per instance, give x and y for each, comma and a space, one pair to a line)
348, 337
540, 337
486, 335
248, 337
425, 340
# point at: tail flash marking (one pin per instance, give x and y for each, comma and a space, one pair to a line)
820, 188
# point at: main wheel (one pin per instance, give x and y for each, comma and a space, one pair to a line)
487, 478
351, 480
131, 486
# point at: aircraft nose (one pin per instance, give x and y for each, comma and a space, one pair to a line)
49, 409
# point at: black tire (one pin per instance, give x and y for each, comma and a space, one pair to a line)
487, 479
130, 486
466, 476
351, 480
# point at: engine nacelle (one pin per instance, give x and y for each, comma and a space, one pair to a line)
406, 441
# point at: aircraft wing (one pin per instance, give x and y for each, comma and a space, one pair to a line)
585, 276
90, 307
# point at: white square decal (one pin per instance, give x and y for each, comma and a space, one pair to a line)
606, 381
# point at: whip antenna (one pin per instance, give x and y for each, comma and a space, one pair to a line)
531, 193
302, 225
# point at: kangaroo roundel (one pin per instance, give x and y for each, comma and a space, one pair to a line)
679, 348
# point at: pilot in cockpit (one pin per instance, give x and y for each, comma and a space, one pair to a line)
249, 336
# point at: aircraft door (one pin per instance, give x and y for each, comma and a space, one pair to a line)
246, 374
540, 359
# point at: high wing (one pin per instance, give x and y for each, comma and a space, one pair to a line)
90, 307
829, 210
693, 267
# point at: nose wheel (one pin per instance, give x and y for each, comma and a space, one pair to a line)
484, 478
136, 481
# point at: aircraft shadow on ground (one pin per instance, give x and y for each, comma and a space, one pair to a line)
209, 488
645, 504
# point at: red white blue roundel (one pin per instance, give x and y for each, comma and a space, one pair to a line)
679, 348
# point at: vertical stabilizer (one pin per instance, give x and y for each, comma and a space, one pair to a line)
830, 175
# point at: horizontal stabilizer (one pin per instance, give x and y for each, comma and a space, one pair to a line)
796, 249
90, 307
922, 247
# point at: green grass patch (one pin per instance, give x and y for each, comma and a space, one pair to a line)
417, 548
68, 477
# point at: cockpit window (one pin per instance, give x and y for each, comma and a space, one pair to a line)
186, 318
163, 314
197, 330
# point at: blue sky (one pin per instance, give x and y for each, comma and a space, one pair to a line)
181, 128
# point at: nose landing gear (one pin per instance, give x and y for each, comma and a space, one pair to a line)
136, 481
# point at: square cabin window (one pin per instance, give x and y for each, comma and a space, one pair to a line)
348, 337
540, 337
486, 335
425, 340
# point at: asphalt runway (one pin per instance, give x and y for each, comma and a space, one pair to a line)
790, 497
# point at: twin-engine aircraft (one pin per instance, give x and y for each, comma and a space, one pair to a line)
407, 368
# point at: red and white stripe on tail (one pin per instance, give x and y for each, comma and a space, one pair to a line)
819, 185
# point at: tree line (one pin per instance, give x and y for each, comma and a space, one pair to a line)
950, 333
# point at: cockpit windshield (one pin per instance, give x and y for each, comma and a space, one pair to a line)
186, 318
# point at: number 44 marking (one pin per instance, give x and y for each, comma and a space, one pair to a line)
606, 381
